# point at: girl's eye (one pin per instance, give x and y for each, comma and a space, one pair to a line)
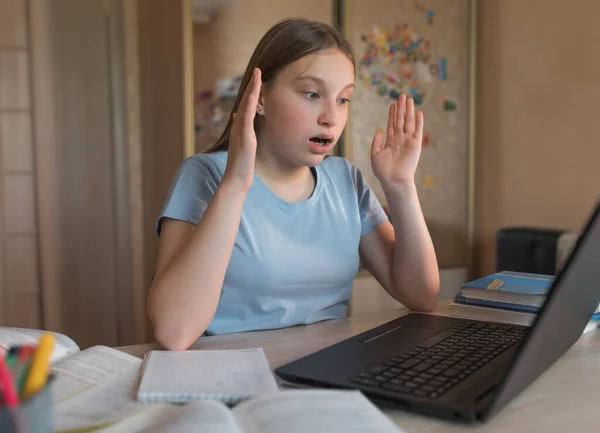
343, 101
311, 95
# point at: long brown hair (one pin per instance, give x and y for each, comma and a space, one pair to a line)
286, 42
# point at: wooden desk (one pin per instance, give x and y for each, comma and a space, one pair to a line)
565, 399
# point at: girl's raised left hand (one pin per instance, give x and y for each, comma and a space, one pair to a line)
395, 163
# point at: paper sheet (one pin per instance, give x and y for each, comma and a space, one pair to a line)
87, 369
63, 345
107, 402
147, 416
319, 411
183, 376
205, 416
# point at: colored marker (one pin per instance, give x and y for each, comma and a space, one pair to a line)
13, 350
40, 365
23, 367
11, 361
8, 386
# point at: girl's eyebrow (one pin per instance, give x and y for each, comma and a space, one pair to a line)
319, 80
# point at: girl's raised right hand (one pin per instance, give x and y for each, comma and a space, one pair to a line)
242, 138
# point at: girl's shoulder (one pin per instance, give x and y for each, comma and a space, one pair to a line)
208, 159
340, 168
337, 164
206, 163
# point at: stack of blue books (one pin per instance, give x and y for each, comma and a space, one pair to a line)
511, 296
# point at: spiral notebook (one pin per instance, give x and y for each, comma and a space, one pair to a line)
226, 375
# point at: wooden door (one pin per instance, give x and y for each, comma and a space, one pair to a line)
109, 80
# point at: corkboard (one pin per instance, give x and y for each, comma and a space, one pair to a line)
423, 49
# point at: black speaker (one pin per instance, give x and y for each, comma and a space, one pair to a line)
524, 249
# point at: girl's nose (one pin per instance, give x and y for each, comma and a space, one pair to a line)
328, 115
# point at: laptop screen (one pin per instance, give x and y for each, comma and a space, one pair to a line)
571, 301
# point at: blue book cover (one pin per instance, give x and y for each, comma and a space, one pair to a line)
460, 299
513, 282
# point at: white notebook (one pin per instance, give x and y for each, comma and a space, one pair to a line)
226, 375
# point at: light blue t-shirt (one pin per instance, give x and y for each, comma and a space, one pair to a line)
291, 263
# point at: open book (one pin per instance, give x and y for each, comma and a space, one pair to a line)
10, 336
289, 411
95, 389
92, 387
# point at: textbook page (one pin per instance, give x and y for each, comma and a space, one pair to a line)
9, 336
202, 416
88, 368
293, 411
103, 404
314, 411
145, 417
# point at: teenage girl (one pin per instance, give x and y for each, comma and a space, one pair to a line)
263, 230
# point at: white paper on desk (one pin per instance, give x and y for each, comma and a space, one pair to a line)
206, 416
298, 411
84, 370
63, 345
107, 402
314, 411
145, 417
228, 375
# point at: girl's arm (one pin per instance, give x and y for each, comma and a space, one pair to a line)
192, 260
191, 266
402, 257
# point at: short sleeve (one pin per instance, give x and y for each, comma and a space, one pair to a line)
191, 190
372, 214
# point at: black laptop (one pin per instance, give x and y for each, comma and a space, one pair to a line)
456, 368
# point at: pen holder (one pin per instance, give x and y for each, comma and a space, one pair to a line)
33, 415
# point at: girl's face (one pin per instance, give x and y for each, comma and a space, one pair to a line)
305, 108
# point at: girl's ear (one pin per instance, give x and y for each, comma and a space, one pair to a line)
260, 107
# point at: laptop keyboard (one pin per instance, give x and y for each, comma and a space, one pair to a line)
432, 369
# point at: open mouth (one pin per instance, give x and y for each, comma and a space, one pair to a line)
321, 141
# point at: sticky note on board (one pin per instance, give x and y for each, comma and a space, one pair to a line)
426, 139
429, 181
449, 105
442, 69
